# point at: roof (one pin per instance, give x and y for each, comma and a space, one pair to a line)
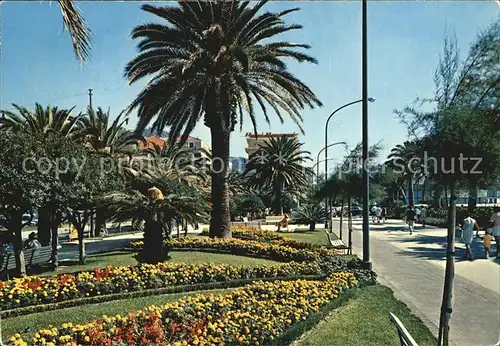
150, 141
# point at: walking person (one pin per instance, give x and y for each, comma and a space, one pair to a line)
495, 230
384, 214
468, 226
487, 242
423, 215
410, 218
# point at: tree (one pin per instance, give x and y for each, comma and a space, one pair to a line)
279, 164
156, 202
110, 140
215, 60
249, 203
405, 158
310, 213
45, 122
461, 125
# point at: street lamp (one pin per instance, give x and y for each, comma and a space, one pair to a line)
317, 157
371, 99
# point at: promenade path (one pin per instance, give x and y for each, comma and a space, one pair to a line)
413, 266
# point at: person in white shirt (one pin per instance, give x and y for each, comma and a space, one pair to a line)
468, 234
495, 230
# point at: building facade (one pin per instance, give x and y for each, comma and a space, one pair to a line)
237, 164
193, 143
255, 142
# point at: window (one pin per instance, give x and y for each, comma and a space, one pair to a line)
498, 193
191, 145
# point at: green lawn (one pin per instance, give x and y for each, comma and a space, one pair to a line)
118, 258
364, 320
317, 237
87, 313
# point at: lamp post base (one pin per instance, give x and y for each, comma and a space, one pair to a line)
366, 265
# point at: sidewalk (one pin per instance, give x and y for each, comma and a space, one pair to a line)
413, 266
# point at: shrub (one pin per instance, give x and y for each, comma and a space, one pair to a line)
208, 319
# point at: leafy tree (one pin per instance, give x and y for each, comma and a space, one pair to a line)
215, 60
45, 123
463, 124
248, 203
279, 164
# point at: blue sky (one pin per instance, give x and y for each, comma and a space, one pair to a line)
405, 39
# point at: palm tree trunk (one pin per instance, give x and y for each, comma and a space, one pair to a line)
43, 227
153, 250
411, 198
100, 222
16, 227
278, 198
220, 222
341, 217
54, 230
446, 306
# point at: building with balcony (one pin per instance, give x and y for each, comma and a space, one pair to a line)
255, 142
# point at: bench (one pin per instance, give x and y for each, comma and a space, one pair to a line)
404, 336
337, 244
274, 219
32, 258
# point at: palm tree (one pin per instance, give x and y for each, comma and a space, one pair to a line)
214, 60
44, 121
310, 213
403, 157
110, 140
148, 203
279, 163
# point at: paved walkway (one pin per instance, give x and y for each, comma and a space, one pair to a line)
413, 266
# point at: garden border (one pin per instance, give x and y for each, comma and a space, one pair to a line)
145, 293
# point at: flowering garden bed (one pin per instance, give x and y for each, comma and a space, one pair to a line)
252, 315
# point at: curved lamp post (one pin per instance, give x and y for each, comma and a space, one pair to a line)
371, 99
319, 153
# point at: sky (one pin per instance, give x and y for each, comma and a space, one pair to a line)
405, 39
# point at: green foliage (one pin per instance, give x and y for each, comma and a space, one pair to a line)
309, 213
249, 203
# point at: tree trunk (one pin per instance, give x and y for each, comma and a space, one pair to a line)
472, 202
185, 226
100, 222
411, 193
54, 230
312, 226
349, 223
43, 227
16, 230
424, 189
178, 227
341, 217
278, 198
92, 224
446, 306
220, 222
154, 250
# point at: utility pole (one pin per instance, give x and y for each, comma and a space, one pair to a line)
90, 98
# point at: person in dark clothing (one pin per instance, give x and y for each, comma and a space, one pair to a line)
410, 218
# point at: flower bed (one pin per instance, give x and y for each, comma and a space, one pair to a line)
31, 291
251, 233
252, 315
277, 251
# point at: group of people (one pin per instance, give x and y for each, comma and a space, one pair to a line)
466, 231
378, 214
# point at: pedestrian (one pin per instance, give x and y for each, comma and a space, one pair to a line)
487, 242
384, 214
495, 229
410, 218
32, 242
418, 212
468, 226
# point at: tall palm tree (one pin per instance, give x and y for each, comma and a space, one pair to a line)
279, 163
110, 139
402, 157
213, 60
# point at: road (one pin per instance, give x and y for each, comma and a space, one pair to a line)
413, 266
